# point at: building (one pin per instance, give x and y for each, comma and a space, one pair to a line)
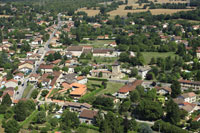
11, 83
78, 90
19, 77
189, 97
186, 84
76, 107
126, 89
163, 90
26, 67
46, 68
75, 50
104, 73
34, 78
142, 71
87, 116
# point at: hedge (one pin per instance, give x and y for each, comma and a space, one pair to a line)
98, 79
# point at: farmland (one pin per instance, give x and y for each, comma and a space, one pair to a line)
90, 12
121, 12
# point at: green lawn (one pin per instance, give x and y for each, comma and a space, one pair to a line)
149, 55
111, 88
105, 59
26, 91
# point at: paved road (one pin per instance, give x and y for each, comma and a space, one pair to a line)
21, 88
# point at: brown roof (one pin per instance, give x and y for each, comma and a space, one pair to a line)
75, 48
188, 107
34, 75
101, 51
56, 61
43, 66
189, 82
130, 87
19, 74
189, 94
28, 61
88, 114
164, 88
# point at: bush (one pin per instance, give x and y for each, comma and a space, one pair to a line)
98, 79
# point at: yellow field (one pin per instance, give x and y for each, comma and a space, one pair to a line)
90, 12
5, 16
169, 1
120, 11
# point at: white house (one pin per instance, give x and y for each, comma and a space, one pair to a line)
189, 97
19, 77
11, 83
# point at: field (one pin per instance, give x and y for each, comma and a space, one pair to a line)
121, 12
90, 12
185, 20
149, 55
5, 16
111, 88
169, 1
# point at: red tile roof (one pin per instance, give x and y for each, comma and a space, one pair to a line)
130, 87
88, 114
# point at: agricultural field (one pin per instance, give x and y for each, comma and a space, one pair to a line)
90, 12
148, 55
121, 12
168, 1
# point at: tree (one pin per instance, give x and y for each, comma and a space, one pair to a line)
144, 128
56, 68
100, 74
50, 58
194, 125
173, 112
23, 109
176, 89
44, 93
12, 126
41, 117
149, 110
34, 94
125, 106
9, 75
69, 120
53, 122
6, 100
134, 72
134, 96
65, 69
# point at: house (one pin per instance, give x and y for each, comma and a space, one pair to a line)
45, 80
126, 89
197, 118
11, 83
189, 97
75, 50
87, 116
68, 54
78, 90
81, 79
33, 78
189, 107
77, 107
10, 91
26, 67
37, 41
113, 44
103, 52
142, 71
46, 68
163, 90
198, 54
56, 62
195, 85
34, 57
19, 77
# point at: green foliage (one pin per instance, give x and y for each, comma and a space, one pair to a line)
12, 126
69, 120
34, 94
44, 93
134, 96
144, 128
167, 127
149, 110
103, 102
176, 89
23, 109
40, 117
6, 100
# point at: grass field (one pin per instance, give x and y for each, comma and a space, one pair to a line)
26, 91
99, 43
149, 55
111, 88
168, 1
